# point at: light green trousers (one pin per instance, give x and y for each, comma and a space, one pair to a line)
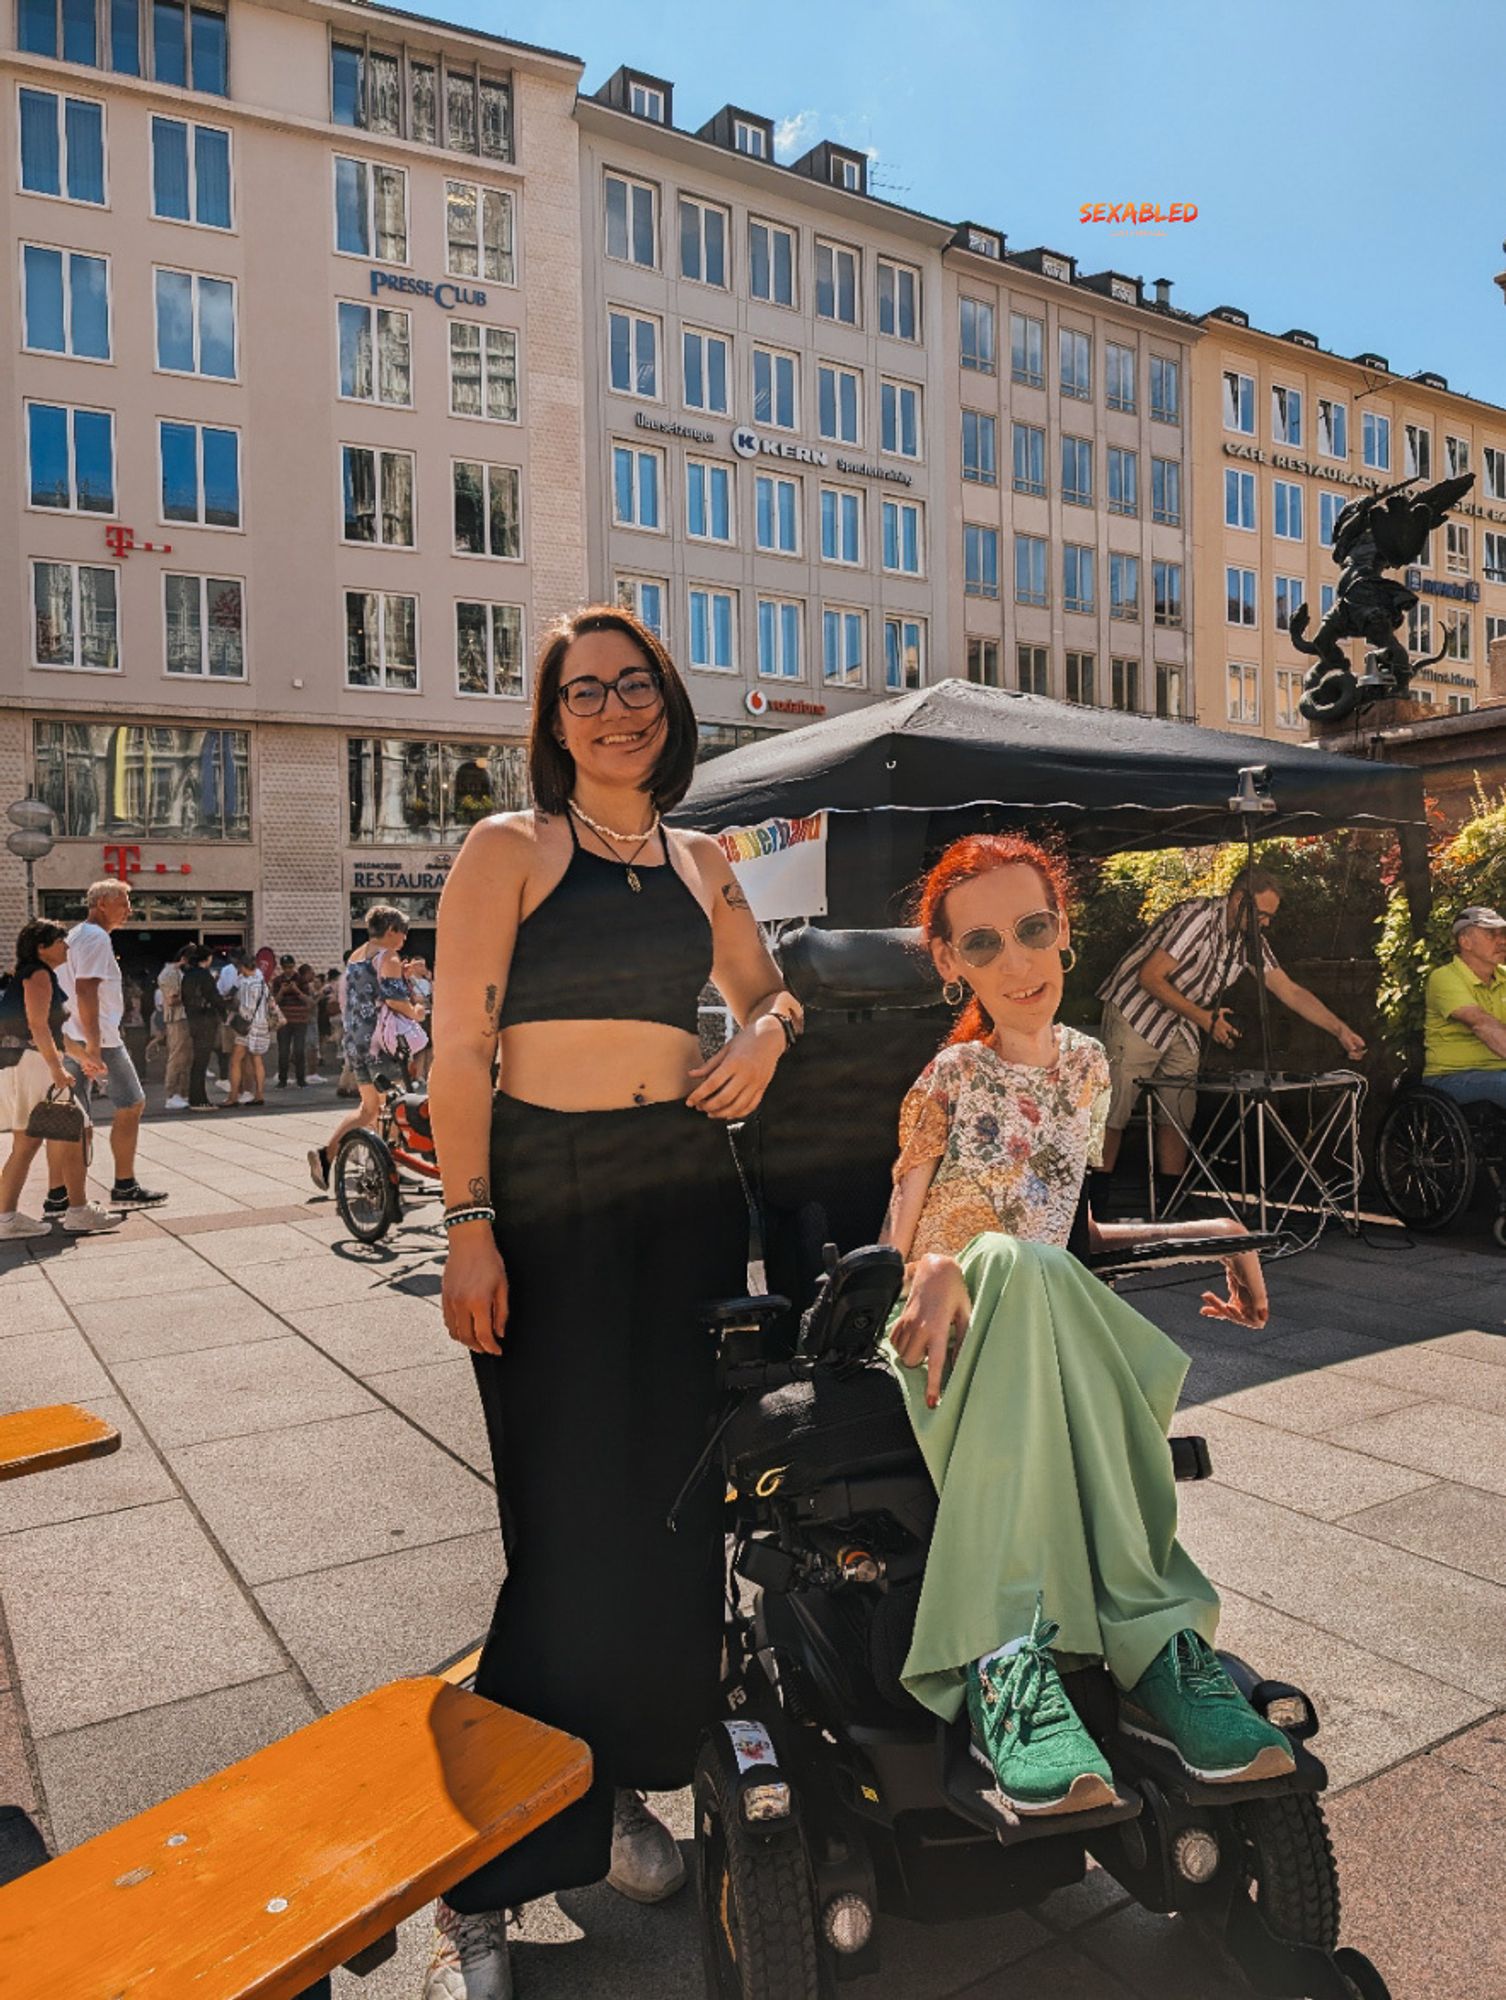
1048, 1452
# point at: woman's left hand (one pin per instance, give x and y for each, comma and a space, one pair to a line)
1247, 1304
732, 1084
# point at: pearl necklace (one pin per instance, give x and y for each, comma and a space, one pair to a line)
634, 881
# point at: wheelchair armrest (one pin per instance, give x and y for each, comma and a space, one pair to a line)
749, 1314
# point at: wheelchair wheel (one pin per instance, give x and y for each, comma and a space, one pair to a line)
1291, 1868
758, 1918
1425, 1159
365, 1180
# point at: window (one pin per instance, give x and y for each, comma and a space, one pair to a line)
1458, 631
980, 448
1079, 578
1286, 499
1244, 693
1495, 473
487, 509
1032, 670
371, 210
1495, 628
779, 638
75, 621
1168, 692
844, 647
1420, 629
841, 525
1456, 456
67, 302
1417, 452
402, 789
1165, 389
771, 262
1460, 704
1124, 481
903, 537
478, 226
1124, 685
644, 596
1029, 459
632, 222
191, 173
1376, 441
1124, 586
375, 355
70, 459
110, 778
1239, 402
899, 419
1286, 416
1333, 428
367, 90
980, 561
1030, 570
1326, 595
1289, 594
1288, 694
1239, 498
1456, 548
1166, 491
1080, 678
633, 353
1330, 506
707, 370
838, 282
1166, 591
1425, 553
704, 229
195, 324
187, 45
62, 146
488, 649
1495, 558
847, 174
637, 481
776, 400
838, 403
204, 620
1027, 350
983, 662
201, 474
483, 372
904, 654
776, 510
708, 500
1118, 376
1077, 471
645, 102
377, 495
978, 336
898, 299
713, 629
750, 139
381, 641
1075, 363
1239, 592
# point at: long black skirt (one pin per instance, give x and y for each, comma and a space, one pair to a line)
615, 1228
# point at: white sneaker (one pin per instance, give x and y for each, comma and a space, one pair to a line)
16, 1228
91, 1220
315, 1078
175, 1104
647, 1864
471, 1959
245, 1098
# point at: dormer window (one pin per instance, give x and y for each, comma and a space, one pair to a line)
847, 174
1123, 290
983, 243
1057, 267
645, 100
750, 139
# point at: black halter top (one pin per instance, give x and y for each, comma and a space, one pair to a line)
594, 950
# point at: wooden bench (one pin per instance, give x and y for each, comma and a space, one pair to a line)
59, 1434
257, 1883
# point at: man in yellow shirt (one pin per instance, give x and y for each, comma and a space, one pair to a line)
1466, 1012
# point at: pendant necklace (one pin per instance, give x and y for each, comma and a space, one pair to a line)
634, 881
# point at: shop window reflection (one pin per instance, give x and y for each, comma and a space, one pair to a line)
124, 780
404, 790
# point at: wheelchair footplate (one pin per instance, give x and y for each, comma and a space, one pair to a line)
972, 1791
1143, 1759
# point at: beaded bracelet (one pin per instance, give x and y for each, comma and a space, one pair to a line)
791, 1032
477, 1212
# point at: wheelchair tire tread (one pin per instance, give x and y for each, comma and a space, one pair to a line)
1297, 1881
771, 1885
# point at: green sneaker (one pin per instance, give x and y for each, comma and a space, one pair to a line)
1185, 1701
1027, 1732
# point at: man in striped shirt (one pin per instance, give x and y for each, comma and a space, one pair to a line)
1164, 993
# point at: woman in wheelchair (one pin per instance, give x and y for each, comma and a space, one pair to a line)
1040, 1400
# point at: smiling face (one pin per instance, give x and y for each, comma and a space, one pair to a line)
619, 745
1021, 988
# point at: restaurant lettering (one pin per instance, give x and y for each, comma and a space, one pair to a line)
1335, 475
443, 294
391, 877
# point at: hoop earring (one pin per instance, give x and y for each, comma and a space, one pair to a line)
1069, 960
953, 992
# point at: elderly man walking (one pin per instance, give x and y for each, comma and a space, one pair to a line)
1465, 1027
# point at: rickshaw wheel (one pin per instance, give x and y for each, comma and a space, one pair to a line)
365, 1180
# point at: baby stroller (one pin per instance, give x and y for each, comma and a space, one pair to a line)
827, 1795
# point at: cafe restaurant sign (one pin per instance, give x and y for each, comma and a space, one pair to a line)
1335, 475
385, 878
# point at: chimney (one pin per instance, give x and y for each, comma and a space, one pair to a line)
1163, 291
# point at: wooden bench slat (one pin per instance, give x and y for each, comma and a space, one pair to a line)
461, 1670
253, 1884
59, 1434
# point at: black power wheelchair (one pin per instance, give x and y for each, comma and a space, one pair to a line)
827, 1795
1432, 1153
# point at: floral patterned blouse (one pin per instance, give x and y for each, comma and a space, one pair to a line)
1012, 1141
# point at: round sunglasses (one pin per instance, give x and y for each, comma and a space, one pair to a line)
1038, 931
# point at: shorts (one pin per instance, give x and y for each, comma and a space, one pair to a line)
358, 1061
1132, 1060
122, 1083
22, 1087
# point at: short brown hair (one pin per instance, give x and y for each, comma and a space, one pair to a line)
1254, 882
384, 918
551, 768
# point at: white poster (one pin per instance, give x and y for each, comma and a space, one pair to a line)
781, 866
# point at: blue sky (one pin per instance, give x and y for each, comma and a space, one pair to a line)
1334, 191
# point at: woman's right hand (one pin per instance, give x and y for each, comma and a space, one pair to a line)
474, 1294
935, 1317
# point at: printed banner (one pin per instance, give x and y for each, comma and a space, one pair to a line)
781, 865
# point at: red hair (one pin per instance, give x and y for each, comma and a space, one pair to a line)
964, 861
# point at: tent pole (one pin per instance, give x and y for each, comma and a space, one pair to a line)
1415, 877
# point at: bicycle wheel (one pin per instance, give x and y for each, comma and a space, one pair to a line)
365, 1180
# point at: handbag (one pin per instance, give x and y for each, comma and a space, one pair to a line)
58, 1116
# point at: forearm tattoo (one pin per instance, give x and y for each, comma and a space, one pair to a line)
734, 898
493, 1012
480, 1190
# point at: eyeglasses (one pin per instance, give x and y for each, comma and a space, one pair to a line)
635, 687
1037, 932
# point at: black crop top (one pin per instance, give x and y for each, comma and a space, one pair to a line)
595, 951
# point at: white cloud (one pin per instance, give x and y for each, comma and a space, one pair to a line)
793, 135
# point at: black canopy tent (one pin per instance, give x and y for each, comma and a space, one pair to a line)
900, 778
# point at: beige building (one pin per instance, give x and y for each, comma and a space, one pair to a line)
295, 410
1070, 496
1286, 434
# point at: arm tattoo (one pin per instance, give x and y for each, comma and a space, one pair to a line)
734, 897
480, 1190
492, 1010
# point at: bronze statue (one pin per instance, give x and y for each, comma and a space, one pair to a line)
1385, 530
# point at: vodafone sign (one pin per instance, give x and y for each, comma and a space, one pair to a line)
756, 702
